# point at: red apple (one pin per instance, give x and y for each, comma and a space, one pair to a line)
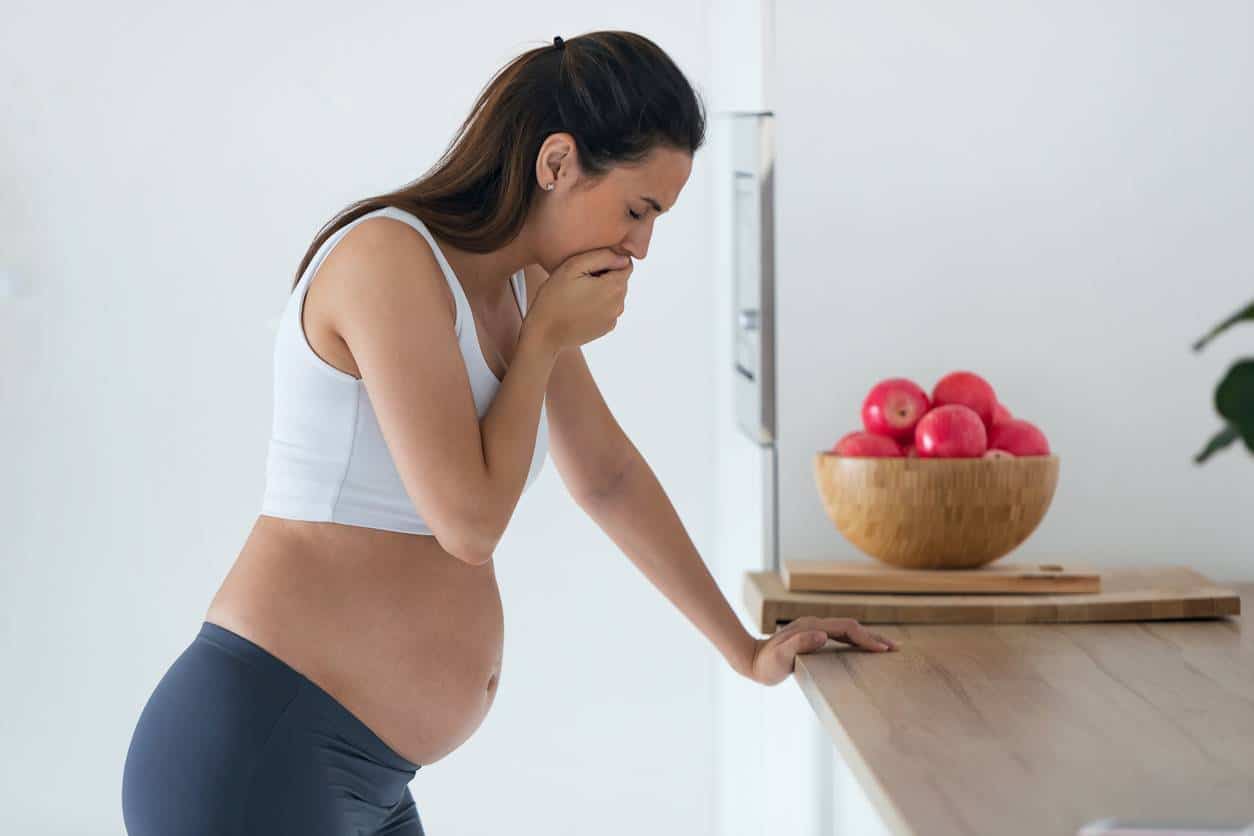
863, 444
998, 454
952, 431
1000, 414
911, 451
893, 407
1019, 437
969, 390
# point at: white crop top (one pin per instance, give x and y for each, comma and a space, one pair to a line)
327, 460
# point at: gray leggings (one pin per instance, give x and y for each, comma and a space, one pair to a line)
234, 742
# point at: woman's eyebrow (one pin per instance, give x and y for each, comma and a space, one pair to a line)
656, 206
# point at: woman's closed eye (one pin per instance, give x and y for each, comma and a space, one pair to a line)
634, 215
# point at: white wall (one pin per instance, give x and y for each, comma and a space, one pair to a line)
164, 168
778, 771
735, 84
1057, 195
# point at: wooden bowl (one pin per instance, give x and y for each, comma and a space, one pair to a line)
936, 513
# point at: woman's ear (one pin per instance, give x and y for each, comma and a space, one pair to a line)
556, 163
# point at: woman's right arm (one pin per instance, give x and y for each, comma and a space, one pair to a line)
509, 429
393, 308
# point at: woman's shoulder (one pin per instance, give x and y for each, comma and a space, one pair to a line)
382, 247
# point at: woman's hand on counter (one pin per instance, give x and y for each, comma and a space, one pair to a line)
775, 656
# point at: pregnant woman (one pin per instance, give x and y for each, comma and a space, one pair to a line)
428, 349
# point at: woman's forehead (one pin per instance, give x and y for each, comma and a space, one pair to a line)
659, 178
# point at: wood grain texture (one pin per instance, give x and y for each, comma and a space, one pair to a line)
936, 513
1148, 594
1020, 577
1039, 729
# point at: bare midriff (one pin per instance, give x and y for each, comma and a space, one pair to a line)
406, 636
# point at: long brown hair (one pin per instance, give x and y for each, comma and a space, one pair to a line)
617, 93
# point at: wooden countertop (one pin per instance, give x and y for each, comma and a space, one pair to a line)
1040, 728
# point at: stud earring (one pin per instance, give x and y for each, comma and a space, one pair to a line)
549, 187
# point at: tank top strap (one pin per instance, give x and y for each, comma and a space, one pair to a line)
459, 295
519, 281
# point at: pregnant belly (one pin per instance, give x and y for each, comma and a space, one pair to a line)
404, 635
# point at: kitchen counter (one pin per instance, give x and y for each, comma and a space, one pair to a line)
1040, 728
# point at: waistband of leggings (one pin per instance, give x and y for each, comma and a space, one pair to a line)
255, 654
248, 651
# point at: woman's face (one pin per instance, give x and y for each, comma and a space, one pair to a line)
580, 215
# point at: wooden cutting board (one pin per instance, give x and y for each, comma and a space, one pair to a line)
1145, 594
873, 576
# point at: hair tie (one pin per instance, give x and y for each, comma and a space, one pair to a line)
558, 42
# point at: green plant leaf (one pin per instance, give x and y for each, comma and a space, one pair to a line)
1245, 313
1218, 442
1234, 399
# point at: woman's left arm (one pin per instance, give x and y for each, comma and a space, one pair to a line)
638, 516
